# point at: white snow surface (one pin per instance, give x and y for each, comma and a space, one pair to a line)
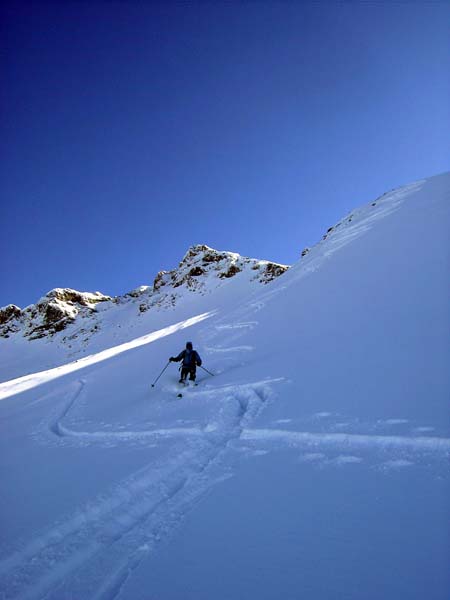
313, 464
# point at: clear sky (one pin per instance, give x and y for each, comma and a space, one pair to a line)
130, 131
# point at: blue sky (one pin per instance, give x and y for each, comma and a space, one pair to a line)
130, 131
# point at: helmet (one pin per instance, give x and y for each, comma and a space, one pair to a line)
189, 346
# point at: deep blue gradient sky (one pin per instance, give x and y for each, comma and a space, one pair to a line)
130, 131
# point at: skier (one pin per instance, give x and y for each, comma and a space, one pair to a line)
191, 359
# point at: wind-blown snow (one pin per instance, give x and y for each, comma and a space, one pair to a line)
313, 464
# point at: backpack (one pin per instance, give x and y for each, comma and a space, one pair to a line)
189, 358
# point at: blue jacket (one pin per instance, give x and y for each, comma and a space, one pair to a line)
190, 358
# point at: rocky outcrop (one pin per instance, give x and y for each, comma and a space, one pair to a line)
9, 320
138, 292
9, 313
201, 260
201, 270
73, 297
53, 313
271, 271
232, 271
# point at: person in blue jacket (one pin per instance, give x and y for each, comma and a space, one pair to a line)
191, 359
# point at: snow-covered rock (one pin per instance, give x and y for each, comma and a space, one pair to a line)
202, 265
201, 270
53, 313
9, 316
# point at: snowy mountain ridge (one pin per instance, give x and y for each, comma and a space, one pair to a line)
201, 270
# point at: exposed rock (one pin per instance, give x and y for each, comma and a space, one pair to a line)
10, 318
305, 252
160, 280
193, 252
73, 296
329, 230
272, 271
196, 271
200, 271
55, 312
232, 271
8, 313
213, 256
177, 282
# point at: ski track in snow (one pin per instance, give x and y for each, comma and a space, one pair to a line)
221, 350
70, 559
432, 445
93, 552
440, 445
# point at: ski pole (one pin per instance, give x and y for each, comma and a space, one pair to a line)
153, 384
206, 370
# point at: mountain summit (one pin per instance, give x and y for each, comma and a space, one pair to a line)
201, 265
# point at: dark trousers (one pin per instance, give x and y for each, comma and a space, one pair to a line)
185, 371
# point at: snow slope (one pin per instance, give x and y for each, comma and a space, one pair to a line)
314, 464
66, 324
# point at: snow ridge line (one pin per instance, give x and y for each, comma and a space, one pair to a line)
77, 556
349, 440
346, 231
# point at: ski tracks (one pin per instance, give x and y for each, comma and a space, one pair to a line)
92, 552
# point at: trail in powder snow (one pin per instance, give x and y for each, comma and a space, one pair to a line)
438, 445
93, 551
433, 445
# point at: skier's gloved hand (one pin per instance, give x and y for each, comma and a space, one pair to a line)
171, 359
